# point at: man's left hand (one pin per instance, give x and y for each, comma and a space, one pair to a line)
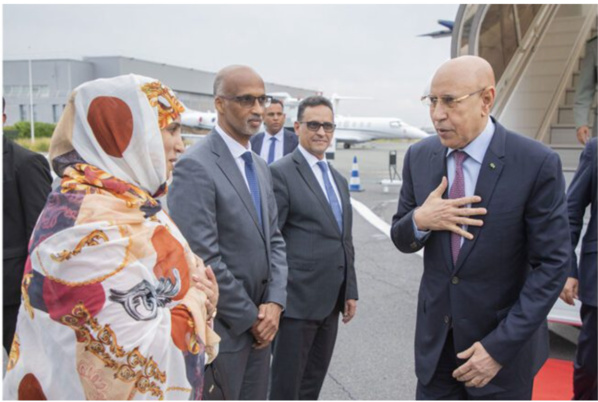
350, 310
267, 322
479, 368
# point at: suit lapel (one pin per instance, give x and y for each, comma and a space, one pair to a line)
438, 170
228, 166
289, 142
310, 179
257, 144
490, 171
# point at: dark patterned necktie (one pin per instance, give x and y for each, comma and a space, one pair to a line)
254, 187
332, 199
271, 150
457, 191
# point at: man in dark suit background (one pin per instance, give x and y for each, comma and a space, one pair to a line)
276, 141
26, 184
496, 244
581, 283
222, 201
315, 218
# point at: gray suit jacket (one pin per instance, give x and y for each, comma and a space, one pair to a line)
320, 257
212, 206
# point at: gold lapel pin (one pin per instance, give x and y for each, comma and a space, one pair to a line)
492, 165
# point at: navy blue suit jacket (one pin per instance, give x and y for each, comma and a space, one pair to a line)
508, 277
581, 193
290, 142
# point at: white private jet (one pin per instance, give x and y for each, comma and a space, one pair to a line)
196, 119
355, 130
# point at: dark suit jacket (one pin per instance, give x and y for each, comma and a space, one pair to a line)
508, 277
212, 206
290, 142
581, 193
320, 257
26, 183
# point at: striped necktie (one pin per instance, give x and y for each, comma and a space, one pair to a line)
332, 199
457, 191
252, 180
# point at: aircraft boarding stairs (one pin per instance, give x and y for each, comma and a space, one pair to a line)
536, 52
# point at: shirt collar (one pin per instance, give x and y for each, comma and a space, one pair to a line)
279, 135
311, 159
234, 147
477, 148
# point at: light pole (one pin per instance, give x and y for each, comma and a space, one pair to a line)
31, 102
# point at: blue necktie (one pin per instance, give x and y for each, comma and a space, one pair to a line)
271, 150
254, 187
334, 204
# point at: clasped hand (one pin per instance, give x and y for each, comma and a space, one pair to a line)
265, 327
206, 283
438, 213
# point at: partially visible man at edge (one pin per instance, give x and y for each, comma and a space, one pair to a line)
222, 201
496, 244
26, 182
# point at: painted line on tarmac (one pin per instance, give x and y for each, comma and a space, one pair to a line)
375, 220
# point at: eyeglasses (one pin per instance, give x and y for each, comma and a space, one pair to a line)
249, 100
315, 126
447, 100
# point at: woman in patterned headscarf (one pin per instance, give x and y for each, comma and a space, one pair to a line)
115, 304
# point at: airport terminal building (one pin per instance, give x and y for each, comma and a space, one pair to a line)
53, 80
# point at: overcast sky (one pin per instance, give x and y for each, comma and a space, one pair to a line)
352, 50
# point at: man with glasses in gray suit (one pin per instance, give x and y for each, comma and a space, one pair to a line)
222, 201
315, 217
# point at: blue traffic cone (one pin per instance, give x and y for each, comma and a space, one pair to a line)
354, 184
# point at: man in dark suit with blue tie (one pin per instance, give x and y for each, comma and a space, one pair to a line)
581, 283
497, 244
315, 218
276, 141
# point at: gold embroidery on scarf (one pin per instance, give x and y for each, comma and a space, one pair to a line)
166, 113
75, 180
92, 239
182, 389
194, 347
25, 292
128, 366
15, 351
123, 264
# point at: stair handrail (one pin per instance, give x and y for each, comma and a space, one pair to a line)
572, 61
521, 59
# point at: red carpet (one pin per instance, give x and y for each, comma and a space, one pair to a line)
554, 381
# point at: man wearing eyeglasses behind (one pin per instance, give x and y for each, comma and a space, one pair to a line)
489, 207
222, 200
315, 217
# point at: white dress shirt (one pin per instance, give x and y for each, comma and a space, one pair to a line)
236, 150
312, 161
278, 143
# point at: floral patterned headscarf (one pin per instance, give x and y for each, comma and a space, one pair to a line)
114, 124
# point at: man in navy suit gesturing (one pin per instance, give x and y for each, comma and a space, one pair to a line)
489, 207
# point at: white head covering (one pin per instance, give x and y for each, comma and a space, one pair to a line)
114, 124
